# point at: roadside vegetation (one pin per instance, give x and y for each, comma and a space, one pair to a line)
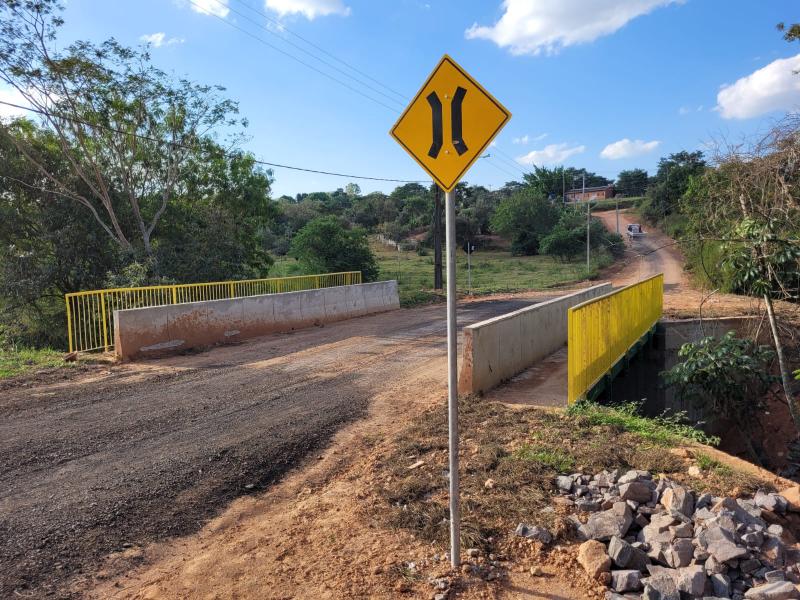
18, 362
511, 456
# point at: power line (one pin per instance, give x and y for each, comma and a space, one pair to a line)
509, 161
498, 167
282, 27
299, 60
256, 160
311, 54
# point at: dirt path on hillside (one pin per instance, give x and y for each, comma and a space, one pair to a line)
150, 451
649, 255
658, 253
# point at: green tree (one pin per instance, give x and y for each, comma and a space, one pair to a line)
790, 33
524, 218
551, 182
47, 248
632, 182
326, 245
671, 182
748, 207
129, 131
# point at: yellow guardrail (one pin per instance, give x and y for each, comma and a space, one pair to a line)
90, 315
601, 331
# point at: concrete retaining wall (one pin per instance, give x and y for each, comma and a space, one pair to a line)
497, 349
161, 330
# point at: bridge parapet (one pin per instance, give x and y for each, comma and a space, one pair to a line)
603, 330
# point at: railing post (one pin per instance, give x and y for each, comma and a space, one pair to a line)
174, 295
230, 285
69, 322
105, 322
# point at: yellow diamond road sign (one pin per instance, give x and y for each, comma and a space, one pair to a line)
449, 123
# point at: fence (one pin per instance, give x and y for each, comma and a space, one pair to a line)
601, 331
90, 315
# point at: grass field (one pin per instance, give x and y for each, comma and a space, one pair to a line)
18, 362
492, 271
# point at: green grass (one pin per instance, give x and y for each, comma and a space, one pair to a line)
664, 430
493, 271
19, 362
555, 459
611, 204
706, 463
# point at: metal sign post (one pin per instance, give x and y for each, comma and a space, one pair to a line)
452, 378
445, 128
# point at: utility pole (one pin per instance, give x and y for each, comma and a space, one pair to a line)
617, 199
588, 220
469, 268
437, 238
563, 188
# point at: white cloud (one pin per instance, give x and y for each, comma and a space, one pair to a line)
217, 8
310, 9
523, 140
774, 87
160, 39
153, 38
9, 94
536, 26
626, 148
552, 154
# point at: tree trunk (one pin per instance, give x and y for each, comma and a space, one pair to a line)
786, 375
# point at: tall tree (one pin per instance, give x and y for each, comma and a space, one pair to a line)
751, 202
525, 218
632, 182
671, 182
129, 132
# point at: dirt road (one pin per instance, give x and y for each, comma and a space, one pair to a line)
651, 254
150, 451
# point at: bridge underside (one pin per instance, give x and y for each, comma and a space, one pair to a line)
545, 383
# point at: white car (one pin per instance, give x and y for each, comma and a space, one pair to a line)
635, 230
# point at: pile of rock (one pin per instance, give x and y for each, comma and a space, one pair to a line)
655, 539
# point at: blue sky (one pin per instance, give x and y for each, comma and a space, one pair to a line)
605, 84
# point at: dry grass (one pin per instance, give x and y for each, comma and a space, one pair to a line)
521, 451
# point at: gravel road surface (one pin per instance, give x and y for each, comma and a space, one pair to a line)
147, 451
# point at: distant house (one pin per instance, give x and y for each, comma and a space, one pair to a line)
591, 193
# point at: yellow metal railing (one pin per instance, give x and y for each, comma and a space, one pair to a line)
602, 330
90, 315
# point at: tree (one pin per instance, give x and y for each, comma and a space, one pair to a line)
790, 33
552, 182
671, 182
129, 132
632, 182
220, 229
525, 218
750, 204
353, 190
326, 245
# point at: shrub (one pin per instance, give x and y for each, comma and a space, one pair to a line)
563, 243
326, 245
725, 377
